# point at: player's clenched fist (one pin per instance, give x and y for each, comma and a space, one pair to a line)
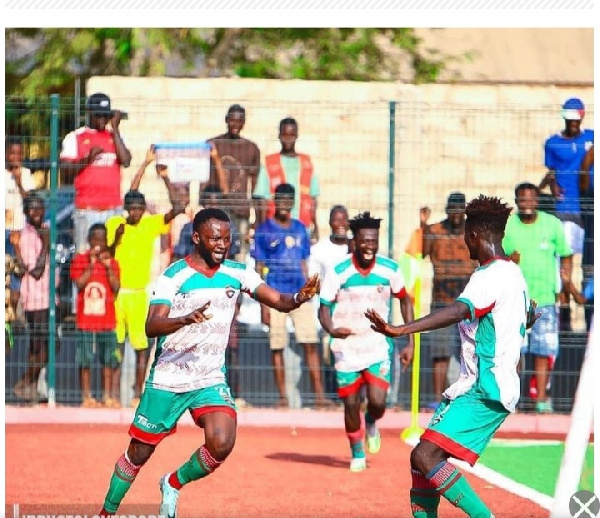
198, 315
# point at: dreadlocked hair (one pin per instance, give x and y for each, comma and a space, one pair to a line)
488, 213
364, 220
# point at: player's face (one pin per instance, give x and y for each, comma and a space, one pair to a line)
572, 127
235, 123
339, 223
213, 241
98, 240
136, 211
99, 121
456, 215
288, 136
471, 241
366, 246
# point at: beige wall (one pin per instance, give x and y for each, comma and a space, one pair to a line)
448, 137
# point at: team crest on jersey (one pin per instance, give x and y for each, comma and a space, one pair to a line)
379, 288
229, 291
86, 141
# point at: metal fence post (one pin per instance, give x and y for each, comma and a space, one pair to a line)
54, 107
391, 177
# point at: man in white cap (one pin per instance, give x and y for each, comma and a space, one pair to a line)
563, 156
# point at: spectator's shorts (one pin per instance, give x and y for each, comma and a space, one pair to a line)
444, 342
463, 427
160, 410
378, 374
542, 338
131, 308
304, 324
575, 235
102, 342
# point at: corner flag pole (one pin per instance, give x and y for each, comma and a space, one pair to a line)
414, 431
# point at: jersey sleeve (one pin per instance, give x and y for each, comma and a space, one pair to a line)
69, 150
305, 242
112, 224
315, 188
479, 294
156, 225
398, 284
165, 290
330, 286
508, 242
549, 157
562, 245
260, 245
251, 281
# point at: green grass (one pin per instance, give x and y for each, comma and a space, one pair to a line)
536, 465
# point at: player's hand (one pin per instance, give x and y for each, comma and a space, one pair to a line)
105, 258
214, 152
532, 316
94, 254
341, 332
198, 315
120, 231
406, 356
311, 287
379, 325
150, 155
115, 120
424, 214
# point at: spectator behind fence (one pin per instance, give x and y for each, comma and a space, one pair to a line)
92, 157
240, 159
584, 297
211, 197
131, 241
18, 183
34, 260
281, 251
329, 251
534, 239
96, 275
294, 168
444, 244
586, 187
563, 156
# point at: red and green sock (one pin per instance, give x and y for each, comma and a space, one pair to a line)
357, 443
200, 465
120, 482
424, 498
450, 483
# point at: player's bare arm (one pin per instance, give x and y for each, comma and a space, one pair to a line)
408, 315
286, 302
327, 324
447, 316
158, 322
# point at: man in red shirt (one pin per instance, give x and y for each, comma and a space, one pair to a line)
96, 275
91, 157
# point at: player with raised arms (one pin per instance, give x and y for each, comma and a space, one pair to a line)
191, 312
493, 313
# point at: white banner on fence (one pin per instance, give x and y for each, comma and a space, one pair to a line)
186, 161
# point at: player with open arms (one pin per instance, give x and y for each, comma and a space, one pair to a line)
363, 280
493, 312
191, 313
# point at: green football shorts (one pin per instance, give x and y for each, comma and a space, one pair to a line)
378, 374
464, 426
160, 410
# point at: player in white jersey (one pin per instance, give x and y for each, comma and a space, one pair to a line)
494, 311
363, 280
191, 313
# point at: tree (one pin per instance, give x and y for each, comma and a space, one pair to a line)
43, 61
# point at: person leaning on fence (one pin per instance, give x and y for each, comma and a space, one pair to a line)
96, 275
240, 160
294, 168
131, 241
92, 157
18, 182
34, 260
281, 249
444, 244
534, 240
563, 156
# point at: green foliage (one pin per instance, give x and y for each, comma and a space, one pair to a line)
57, 56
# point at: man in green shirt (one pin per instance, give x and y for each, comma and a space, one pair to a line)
534, 240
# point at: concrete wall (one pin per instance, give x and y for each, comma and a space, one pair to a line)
448, 137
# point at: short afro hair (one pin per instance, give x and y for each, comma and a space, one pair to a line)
364, 220
488, 214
